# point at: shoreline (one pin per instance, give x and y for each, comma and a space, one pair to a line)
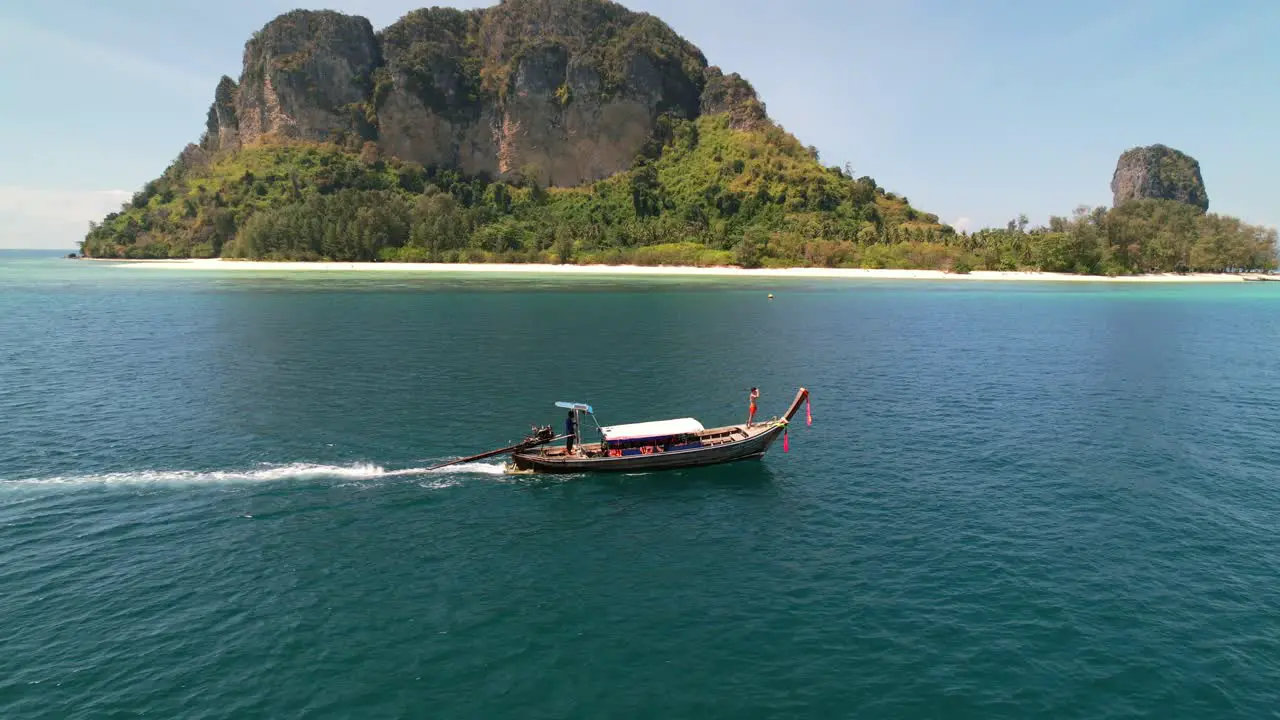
660, 271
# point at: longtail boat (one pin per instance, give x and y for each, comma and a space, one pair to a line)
659, 445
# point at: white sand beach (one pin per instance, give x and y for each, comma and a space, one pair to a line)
637, 270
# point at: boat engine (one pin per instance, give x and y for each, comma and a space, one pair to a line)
541, 435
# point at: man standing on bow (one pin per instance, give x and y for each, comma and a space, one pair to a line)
751, 415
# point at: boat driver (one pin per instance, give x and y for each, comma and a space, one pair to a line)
570, 429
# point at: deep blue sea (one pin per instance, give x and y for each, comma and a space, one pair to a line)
1016, 500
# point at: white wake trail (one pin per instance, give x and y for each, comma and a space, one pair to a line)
472, 468
271, 473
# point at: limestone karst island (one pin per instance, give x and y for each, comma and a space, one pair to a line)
577, 131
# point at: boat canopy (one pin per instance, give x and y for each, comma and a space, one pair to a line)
656, 429
575, 406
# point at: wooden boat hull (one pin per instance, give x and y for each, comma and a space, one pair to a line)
752, 447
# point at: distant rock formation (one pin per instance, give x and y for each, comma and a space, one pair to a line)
563, 92
1158, 172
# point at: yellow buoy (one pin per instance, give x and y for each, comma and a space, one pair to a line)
770, 296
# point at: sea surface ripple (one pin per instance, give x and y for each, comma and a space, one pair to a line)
1014, 501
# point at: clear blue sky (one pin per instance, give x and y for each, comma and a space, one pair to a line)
976, 110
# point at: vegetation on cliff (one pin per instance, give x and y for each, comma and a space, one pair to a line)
433, 49
603, 36
455, 59
702, 192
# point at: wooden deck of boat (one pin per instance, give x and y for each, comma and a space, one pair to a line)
723, 436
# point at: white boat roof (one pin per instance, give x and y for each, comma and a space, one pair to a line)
657, 428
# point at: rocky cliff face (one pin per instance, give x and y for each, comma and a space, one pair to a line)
428, 102
1159, 172
560, 91
223, 127
303, 72
733, 95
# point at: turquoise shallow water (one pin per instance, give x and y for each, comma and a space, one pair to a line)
1016, 500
